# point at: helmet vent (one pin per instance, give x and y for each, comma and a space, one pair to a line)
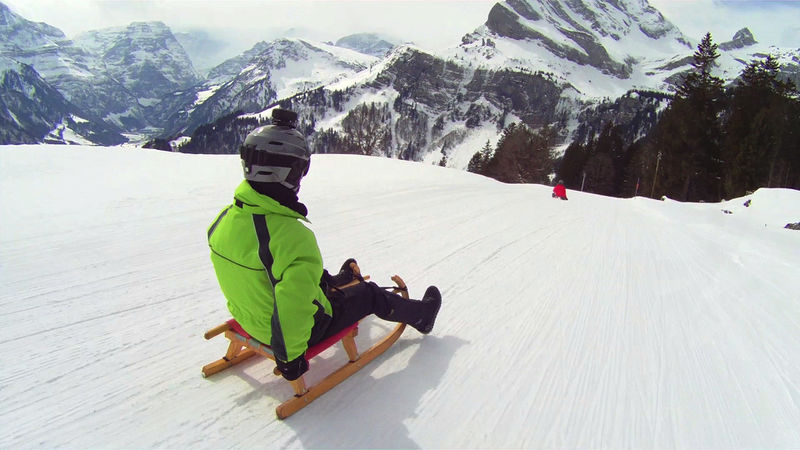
275, 143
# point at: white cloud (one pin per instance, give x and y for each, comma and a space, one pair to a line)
431, 23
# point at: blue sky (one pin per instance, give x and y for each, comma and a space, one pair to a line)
773, 22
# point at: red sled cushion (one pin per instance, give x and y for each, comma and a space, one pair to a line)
312, 351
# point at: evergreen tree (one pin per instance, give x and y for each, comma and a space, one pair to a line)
762, 76
522, 155
611, 144
689, 133
599, 165
572, 163
367, 129
640, 170
700, 84
761, 145
478, 161
600, 174
534, 160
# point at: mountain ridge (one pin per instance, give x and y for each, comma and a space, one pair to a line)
591, 52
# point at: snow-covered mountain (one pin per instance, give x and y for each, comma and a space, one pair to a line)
50, 59
117, 75
743, 38
585, 41
367, 43
569, 64
269, 71
736, 53
144, 57
604, 48
32, 110
604, 35
19, 34
593, 323
429, 107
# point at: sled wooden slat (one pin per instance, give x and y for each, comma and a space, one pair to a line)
219, 329
242, 347
222, 364
297, 403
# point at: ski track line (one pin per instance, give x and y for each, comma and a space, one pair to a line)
511, 378
710, 374
110, 296
99, 317
116, 356
52, 292
109, 226
121, 259
591, 321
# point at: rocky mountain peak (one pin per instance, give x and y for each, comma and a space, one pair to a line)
6, 16
367, 43
32, 110
298, 53
742, 38
266, 73
612, 18
586, 32
19, 34
144, 56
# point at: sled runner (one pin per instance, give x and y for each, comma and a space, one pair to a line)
242, 346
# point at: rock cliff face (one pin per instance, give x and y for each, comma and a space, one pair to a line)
743, 38
144, 57
142, 67
426, 105
264, 74
635, 113
582, 31
32, 111
118, 75
20, 34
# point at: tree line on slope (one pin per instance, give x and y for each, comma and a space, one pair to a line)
710, 143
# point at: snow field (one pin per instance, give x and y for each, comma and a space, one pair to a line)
591, 323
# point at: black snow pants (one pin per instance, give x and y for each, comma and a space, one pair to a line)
353, 303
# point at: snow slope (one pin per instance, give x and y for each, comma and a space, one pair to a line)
592, 323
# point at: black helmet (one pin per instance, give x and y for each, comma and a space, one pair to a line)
276, 153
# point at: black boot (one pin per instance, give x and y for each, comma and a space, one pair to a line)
433, 300
420, 314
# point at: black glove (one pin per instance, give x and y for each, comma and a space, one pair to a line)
292, 370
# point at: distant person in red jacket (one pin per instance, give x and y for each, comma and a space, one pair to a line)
560, 191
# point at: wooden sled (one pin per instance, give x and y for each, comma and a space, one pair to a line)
242, 346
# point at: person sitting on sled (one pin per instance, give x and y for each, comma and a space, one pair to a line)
269, 265
560, 191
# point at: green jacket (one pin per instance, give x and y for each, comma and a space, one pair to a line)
268, 265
